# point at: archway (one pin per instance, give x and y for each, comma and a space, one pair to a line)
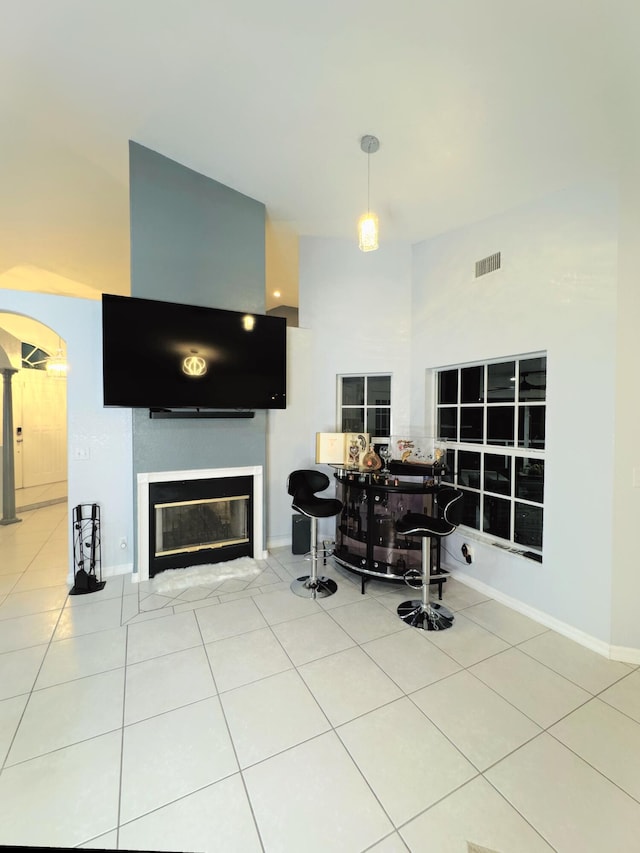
39, 411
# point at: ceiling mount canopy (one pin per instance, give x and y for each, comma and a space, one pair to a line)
368, 222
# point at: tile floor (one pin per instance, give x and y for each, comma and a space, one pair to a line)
242, 718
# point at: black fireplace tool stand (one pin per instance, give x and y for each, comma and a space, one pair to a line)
87, 561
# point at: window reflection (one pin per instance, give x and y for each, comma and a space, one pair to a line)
500, 426
378, 422
379, 392
533, 379
471, 510
469, 468
448, 423
497, 517
497, 473
472, 384
528, 525
448, 386
501, 382
353, 420
471, 426
530, 479
531, 429
353, 391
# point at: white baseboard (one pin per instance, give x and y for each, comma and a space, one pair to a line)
278, 542
108, 572
626, 654
620, 653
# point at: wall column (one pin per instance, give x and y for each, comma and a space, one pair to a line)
8, 476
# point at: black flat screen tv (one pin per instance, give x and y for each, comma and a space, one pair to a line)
165, 355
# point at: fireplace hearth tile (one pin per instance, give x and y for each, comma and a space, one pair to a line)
149, 616
235, 596
196, 593
232, 585
190, 606
155, 602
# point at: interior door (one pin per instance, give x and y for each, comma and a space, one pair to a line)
40, 427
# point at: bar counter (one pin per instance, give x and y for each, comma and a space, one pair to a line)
366, 540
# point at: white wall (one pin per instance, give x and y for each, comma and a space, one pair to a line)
556, 291
358, 306
105, 478
626, 467
289, 436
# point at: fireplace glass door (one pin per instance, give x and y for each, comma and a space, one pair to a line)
196, 525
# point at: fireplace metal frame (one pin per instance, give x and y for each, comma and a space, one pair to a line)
143, 481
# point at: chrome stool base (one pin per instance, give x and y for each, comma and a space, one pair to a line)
429, 617
321, 587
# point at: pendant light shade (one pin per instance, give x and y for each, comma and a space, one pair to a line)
368, 222
368, 232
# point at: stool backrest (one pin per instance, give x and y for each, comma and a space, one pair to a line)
305, 483
450, 505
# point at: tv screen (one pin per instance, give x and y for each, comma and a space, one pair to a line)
163, 355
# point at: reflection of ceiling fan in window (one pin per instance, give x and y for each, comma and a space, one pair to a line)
525, 385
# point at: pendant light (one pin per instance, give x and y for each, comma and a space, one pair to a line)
368, 222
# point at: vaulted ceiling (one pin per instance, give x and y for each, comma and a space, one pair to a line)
479, 105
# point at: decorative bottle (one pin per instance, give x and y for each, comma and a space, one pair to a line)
371, 460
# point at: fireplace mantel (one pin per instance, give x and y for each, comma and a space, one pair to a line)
143, 481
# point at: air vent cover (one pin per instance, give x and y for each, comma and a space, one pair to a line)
489, 264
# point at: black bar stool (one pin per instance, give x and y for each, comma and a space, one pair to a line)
430, 616
303, 485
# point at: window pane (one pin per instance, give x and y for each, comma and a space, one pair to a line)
353, 420
533, 378
500, 425
531, 426
501, 383
471, 510
378, 422
469, 468
497, 473
497, 517
530, 479
472, 384
450, 462
448, 386
378, 390
528, 525
471, 424
448, 423
353, 391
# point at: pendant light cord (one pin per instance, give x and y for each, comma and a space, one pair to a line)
369, 179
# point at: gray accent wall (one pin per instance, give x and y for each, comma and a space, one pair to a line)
198, 242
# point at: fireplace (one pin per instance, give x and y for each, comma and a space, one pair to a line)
187, 518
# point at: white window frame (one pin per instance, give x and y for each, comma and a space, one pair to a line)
484, 447
366, 406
